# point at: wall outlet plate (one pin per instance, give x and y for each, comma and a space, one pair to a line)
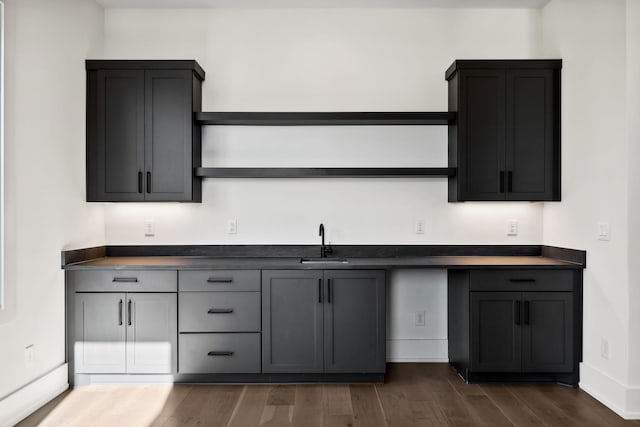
419, 318
419, 226
149, 227
512, 227
232, 226
604, 231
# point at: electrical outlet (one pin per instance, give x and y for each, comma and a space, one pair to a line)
604, 349
29, 356
232, 226
419, 226
419, 318
149, 227
512, 227
604, 232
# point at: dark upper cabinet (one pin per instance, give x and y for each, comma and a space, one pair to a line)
505, 144
142, 142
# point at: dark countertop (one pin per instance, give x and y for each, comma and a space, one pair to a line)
288, 263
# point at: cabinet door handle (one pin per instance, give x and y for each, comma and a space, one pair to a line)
220, 353
329, 290
148, 181
502, 181
510, 181
319, 291
522, 280
125, 279
129, 312
527, 311
220, 311
214, 280
140, 190
517, 312
120, 313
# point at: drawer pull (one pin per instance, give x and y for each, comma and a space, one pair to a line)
220, 353
125, 279
215, 280
522, 280
220, 311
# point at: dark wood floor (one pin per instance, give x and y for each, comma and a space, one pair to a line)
413, 395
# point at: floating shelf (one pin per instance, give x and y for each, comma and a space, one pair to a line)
323, 119
322, 172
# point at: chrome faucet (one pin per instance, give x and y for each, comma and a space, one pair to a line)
324, 250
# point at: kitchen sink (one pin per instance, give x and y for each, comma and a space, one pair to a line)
324, 261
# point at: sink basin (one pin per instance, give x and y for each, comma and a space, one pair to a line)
324, 261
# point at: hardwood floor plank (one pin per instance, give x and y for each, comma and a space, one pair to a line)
395, 405
337, 398
310, 406
366, 407
177, 394
511, 407
453, 410
282, 395
248, 411
541, 406
276, 416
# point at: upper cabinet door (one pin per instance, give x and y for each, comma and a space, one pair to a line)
481, 127
532, 115
115, 135
168, 135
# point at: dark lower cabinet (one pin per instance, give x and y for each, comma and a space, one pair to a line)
117, 333
505, 143
519, 325
142, 143
318, 321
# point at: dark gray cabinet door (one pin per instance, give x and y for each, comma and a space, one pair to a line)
547, 332
496, 332
168, 135
530, 133
115, 135
354, 321
100, 333
481, 129
292, 321
152, 333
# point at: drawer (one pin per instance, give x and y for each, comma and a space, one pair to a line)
219, 353
124, 280
219, 280
521, 280
219, 311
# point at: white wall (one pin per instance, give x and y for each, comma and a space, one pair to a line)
598, 97
633, 124
330, 60
47, 43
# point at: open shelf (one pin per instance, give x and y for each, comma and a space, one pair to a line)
322, 172
323, 119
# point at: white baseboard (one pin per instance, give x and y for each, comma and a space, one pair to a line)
26, 400
622, 399
417, 350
